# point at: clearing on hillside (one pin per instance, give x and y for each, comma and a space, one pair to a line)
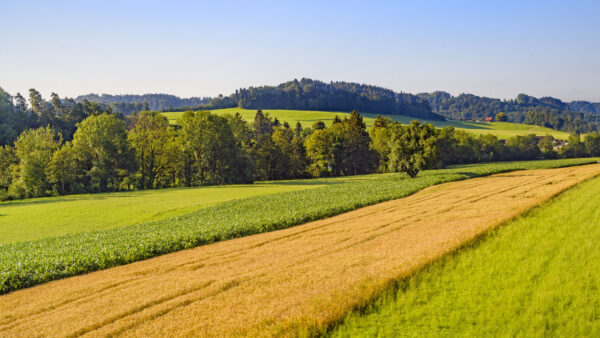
302, 278
307, 117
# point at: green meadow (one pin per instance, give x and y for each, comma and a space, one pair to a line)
307, 117
33, 219
537, 276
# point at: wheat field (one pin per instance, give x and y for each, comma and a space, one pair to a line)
298, 280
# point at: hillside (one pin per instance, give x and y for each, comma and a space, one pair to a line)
549, 112
305, 94
313, 95
501, 129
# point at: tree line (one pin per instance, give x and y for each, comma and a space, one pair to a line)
109, 152
60, 114
128, 104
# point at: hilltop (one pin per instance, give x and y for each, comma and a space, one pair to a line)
304, 94
314, 95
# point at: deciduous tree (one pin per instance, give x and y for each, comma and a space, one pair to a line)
103, 152
156, 151
35, 148
413, 148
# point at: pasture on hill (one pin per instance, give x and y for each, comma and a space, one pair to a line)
537, 276
502, 130
29, 263
301, 279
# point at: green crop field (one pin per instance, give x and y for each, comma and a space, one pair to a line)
537, 276
27, 263
32, 219
306, 117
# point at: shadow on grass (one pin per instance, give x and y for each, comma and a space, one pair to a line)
449, 123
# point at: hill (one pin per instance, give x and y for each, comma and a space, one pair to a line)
581, 116
306, 117
314, 95
305, 94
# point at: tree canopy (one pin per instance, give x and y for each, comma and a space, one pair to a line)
413, 148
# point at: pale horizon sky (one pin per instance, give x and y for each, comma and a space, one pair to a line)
194, 48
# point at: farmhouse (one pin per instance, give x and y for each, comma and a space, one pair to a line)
489, 119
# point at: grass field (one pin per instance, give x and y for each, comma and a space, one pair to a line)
33, 219
28, 263
298, 279
538, 276
307, 118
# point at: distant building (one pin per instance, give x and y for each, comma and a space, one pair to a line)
489, 119
559, 144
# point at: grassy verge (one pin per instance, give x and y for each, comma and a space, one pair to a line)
29, 263
536, 276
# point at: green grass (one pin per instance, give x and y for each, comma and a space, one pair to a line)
28, 263
32, 219
537, 276
306, 117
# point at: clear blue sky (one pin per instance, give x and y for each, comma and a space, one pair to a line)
194, 48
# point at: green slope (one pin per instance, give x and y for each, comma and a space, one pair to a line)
306, 117
53, 216
537, 276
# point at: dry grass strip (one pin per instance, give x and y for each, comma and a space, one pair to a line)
274, 283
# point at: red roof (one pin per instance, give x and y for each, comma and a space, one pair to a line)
489, 119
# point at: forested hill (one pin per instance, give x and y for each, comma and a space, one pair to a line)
128, 104
550, 112
308, 94
305, 94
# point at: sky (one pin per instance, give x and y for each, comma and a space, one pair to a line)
196, 48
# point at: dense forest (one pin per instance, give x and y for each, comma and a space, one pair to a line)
61, 147
308, 94
576, 116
